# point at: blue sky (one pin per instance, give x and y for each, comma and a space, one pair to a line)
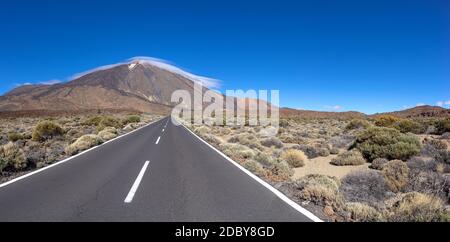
369, 56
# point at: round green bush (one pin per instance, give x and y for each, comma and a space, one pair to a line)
388, 143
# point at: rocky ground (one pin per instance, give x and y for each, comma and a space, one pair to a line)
29, 143
382, 169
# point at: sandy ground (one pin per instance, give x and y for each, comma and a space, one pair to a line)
321, 165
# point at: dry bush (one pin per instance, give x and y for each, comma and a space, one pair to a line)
131, 119
246, 139
254, 167
342, 141
334, 151
93, 121
424, 177
295, 158
3, 164
445, 135
212, 140
279, 171
363, 213
378, 163
349, 158
14, 136
13, 156
387, 143
108, 133
415, 207
46, 130
202, 130
365, 187
320, 189
357, 124
385, 120
312, 152
435, 143
108, 121
443, 126
272, 142
396, 175
238, 152
83, 143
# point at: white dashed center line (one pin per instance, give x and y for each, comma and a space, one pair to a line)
135, 186
157, 142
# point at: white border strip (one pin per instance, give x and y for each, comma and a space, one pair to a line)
283, 197
72, 157
136, 183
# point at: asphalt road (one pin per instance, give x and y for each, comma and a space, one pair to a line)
149, 175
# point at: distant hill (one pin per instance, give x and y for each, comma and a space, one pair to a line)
289, 112
420, 112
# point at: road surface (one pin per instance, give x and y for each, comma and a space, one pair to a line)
160, 173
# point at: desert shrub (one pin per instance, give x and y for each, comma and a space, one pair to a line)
436, 144
131, 119
445, 135
13, 156
14, 136
357, 124
46, 130
334, 151
378, 163
202, 130
320, 189
396, 175
246, 139
349, 158
253, 167
93, 121
312, 152
437, 150
387, 143
272, 142
279, 171
415, 207
264, 159
443, 126
291, 138
363, 212
225, 131
3, 164
385, 120
365, 187
83, 143
211, 139
238, 152
409, 126
109, 122
108, 133
342, 141
295, 158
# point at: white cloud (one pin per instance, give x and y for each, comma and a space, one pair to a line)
23, 84
50, 82
334, 108
420, 104
447, 102
440, 103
